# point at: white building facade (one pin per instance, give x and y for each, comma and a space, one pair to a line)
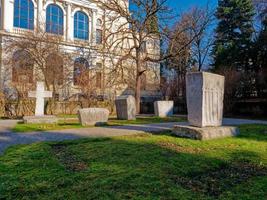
79, 23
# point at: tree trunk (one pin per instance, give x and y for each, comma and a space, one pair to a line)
138, 83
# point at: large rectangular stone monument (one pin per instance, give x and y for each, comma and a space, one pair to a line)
163, 108
93, 116
204, 94
126, 107
40, 118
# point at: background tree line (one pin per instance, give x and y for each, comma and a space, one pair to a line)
232, 41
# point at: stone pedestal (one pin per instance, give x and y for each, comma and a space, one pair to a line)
126, 108
163, 108
93, 116
206, 133
45, 119
204, 93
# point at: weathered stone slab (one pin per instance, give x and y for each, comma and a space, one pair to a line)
206, 133
126, 107
163, 108
46, 119
205, 93
93, 116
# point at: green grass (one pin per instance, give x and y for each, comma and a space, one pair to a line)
139, 167
22, 128
72, 124
144, 120
68, 116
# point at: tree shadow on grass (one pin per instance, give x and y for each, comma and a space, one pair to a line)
124, 168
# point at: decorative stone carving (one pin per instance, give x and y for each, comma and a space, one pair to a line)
93, 116
126, 108
205, 93
163, 108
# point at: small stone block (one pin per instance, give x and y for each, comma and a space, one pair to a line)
46, 119
93, 116
163, 108
206, 133
125, 107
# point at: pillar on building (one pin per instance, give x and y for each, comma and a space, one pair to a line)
69, 24
40, 15
8, 15
94, 20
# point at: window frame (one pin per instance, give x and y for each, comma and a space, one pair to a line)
99, 36
84, 31
19, 17
50, 24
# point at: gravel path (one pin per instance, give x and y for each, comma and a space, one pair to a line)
7, 138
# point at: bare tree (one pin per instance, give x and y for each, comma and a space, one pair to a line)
136, 36
36, 56
179, 46
132, 39
200, 20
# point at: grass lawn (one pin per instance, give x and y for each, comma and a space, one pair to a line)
139, 167
21, 127
72, 123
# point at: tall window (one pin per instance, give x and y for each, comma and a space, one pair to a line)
143, 82
22, 70
24, 14
99, 80
81, 71
99, 36
143, 47
81, 26
54, 19
54, 72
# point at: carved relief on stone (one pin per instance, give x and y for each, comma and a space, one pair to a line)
205, 92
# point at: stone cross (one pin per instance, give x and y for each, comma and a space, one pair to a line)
40, 94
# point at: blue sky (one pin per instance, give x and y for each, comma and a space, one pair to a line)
182, 5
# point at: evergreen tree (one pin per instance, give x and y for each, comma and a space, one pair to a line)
260, 57
233, 34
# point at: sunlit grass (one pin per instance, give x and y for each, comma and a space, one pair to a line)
74, 123
139, 167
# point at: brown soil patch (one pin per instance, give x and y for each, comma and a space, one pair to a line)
215, 182
69, 160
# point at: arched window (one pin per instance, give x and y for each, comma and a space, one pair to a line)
54, 19
24, 14
54, 72
22, 67
81, 71
81, 26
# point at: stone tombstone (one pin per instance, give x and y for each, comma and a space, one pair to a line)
163, 108
40, 118
126, 107
40, 94
205, 94
93, 116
